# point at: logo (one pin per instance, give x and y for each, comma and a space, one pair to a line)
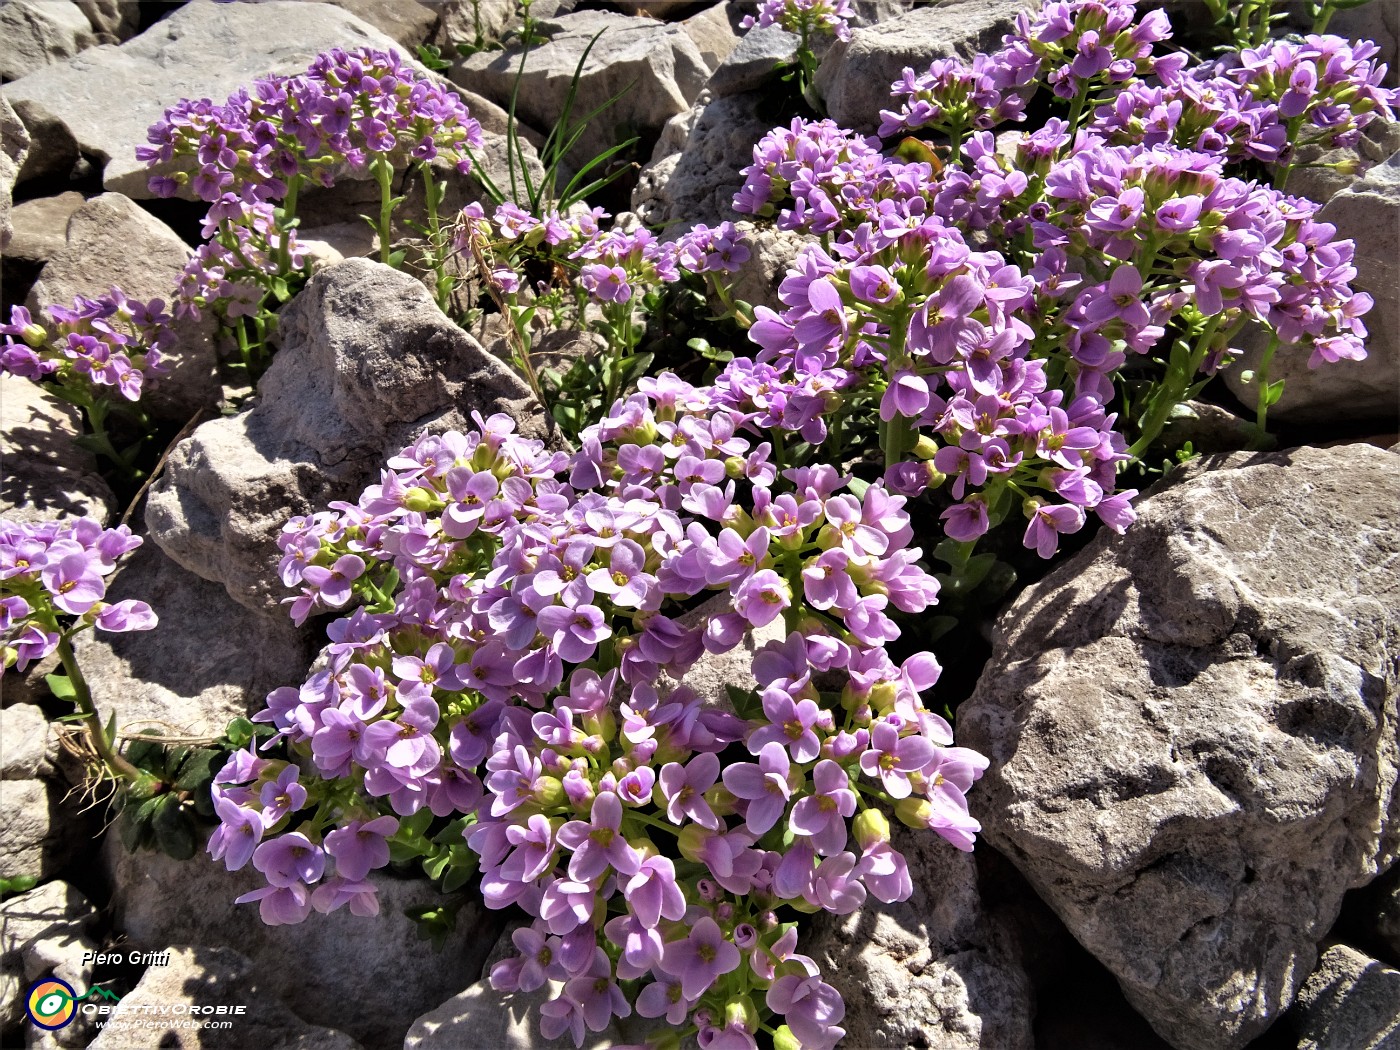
51, 1003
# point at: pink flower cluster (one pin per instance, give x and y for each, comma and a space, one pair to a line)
110, 341
55, 570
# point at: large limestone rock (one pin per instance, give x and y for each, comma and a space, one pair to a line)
367, 363
41, 228
937, 970
27, 747
695, 170
367, 976
39, 33
1193, 732
40, 834
1351, 1002
112, 240
855, 75
753, 63
45, 474
1369, 213
112, 20
210, 660
195, 980
666, 64
104, 99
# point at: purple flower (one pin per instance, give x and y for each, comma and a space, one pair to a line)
73, 582
598, 843
360, 847
575, 633
822, 815
684, 789
289, 859
701, 958
237, 836
282, 796
766, 786
892, 759
811, 1008
129, 615
652, 893
791, 725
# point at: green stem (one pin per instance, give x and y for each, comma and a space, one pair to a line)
289, 211
119, 767
384, 175
1184, 364
1261, 378
436, 247
1076, 110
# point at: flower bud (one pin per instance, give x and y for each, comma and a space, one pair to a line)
783, 1039
871, 828
548, 791
1029, 506
34, 335
914, 812
721, 800
724, 912
692, 840
925, 448
741, 1012
883, 696
422, 501
734, 467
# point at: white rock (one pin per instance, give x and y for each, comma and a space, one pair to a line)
39, 33
46, 475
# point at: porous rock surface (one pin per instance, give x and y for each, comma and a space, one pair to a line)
43, 932
45, 474
199, 979
210, 660
367, 363
1193, 732
666, 63
936, 970
39, 33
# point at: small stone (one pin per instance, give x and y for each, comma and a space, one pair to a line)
1351, 1002
37, 838
39, 34
197, 977
112, 240
46, 475
752, 64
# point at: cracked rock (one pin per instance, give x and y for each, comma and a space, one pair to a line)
1193, 732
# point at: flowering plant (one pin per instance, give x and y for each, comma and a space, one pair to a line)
810, 20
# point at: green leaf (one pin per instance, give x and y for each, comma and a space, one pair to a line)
174, 834
396, 258
1272, 393
431, 57
17, 884
146, 754
61, 687
199, 769
239, 733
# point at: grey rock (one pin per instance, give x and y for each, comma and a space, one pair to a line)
209, 661
1384, 917
855, 75
462, 21
46, 475
40, 227
937, 970
1351, 1002
698, 183
213, 977
43, 932
38, 33
1377, 144
407, 22
104, 99
1208, 428
367, 976
26, 745
751, 64
667, 65
872, 12
713, 29
1192, 732
112, 240
114, 21
38, 836
772, 252
367, 363
1363, 390
14, 147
